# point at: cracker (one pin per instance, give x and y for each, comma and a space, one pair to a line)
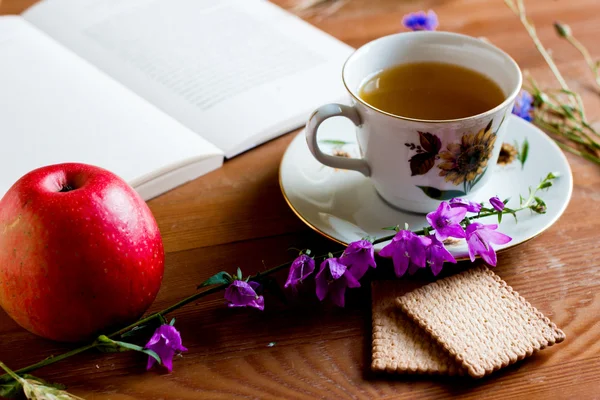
480, 320
399, 344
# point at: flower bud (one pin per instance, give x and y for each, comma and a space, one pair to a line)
562, 30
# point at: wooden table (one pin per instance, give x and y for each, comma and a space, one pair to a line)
237, 216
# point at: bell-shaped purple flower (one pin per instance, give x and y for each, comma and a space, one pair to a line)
497, 203
446, 221
470, 206
300, 269
437, 255
333, 279
243, 294
359, 256
420, 21
166, 341
523, 105
480, 238
406, 250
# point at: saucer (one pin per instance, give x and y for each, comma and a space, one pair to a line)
344, 206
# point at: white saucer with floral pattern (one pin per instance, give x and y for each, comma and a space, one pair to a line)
343, 205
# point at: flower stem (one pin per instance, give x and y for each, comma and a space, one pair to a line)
10, 372
190, 299
583, 154
519, 11
586, 56
52, 360
215, 289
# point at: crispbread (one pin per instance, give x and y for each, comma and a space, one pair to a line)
480, 320
399, 344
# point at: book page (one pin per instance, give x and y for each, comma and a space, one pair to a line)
237, 72
56, 107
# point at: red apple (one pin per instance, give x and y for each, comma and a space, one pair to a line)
79, 252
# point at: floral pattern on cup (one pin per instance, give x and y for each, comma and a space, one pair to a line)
462, 163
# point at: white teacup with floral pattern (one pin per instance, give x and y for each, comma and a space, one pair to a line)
415, 164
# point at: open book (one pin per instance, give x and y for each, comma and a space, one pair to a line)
159, 92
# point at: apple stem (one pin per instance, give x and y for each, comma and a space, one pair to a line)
66, 188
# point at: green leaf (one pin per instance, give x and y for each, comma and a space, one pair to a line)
334, 142
545, 185
172, 322
524, 153
135, 330
118, 346
11, 385
135, 347
10, 390
499, 217
219, 278
128, 346
438, 194
162, 319
514, 214
239, 274
109, 346
391, 228
152, 354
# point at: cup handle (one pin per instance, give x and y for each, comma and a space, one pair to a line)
312, 127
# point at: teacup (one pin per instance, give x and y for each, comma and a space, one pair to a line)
464, 151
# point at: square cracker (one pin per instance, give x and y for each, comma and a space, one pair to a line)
399, 344
480, 320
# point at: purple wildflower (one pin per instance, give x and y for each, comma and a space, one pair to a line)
359, 256
334, 278
446, 221
419, 21
437, 255
523, 105
480, 238
471, 206
243, 294
497, 203
300, 269
165, 342
406, 249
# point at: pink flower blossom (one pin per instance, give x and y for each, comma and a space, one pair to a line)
243, 294
480, 238
300, 269
471, 206
333, 279
497, 203
359, 256
446, 221
166, 341
406, 250
437, 255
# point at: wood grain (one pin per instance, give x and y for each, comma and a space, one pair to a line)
236, 216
